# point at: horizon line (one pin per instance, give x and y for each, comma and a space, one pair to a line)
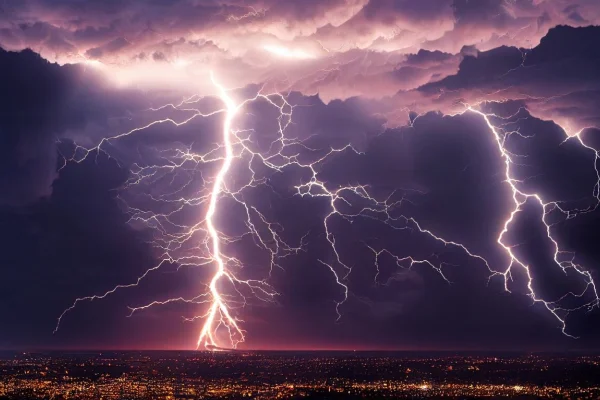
315, 350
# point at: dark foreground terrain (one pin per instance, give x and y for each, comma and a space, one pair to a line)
308, 375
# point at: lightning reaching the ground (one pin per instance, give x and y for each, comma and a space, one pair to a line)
234, 146
218, 304
206, 241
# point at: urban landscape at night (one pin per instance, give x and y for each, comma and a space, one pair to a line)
309, 375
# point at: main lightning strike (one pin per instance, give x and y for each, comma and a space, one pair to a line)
236, 145
218, 306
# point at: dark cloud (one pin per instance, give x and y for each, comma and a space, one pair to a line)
65, 30
478, 71
424, 58
34, 95
556, 80
42, 103
576, 17
158, 56
110, 47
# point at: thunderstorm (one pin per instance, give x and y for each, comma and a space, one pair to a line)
292, 174
225, 292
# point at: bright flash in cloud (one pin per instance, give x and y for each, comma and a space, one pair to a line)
181, 63
93, 63
284, 52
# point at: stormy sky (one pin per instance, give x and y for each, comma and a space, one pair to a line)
410, 112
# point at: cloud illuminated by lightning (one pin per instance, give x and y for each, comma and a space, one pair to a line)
284, 52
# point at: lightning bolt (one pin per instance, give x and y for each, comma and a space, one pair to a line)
218, 305
235, 145
520, 197
203, 243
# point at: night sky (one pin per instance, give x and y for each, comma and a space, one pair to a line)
374, 95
